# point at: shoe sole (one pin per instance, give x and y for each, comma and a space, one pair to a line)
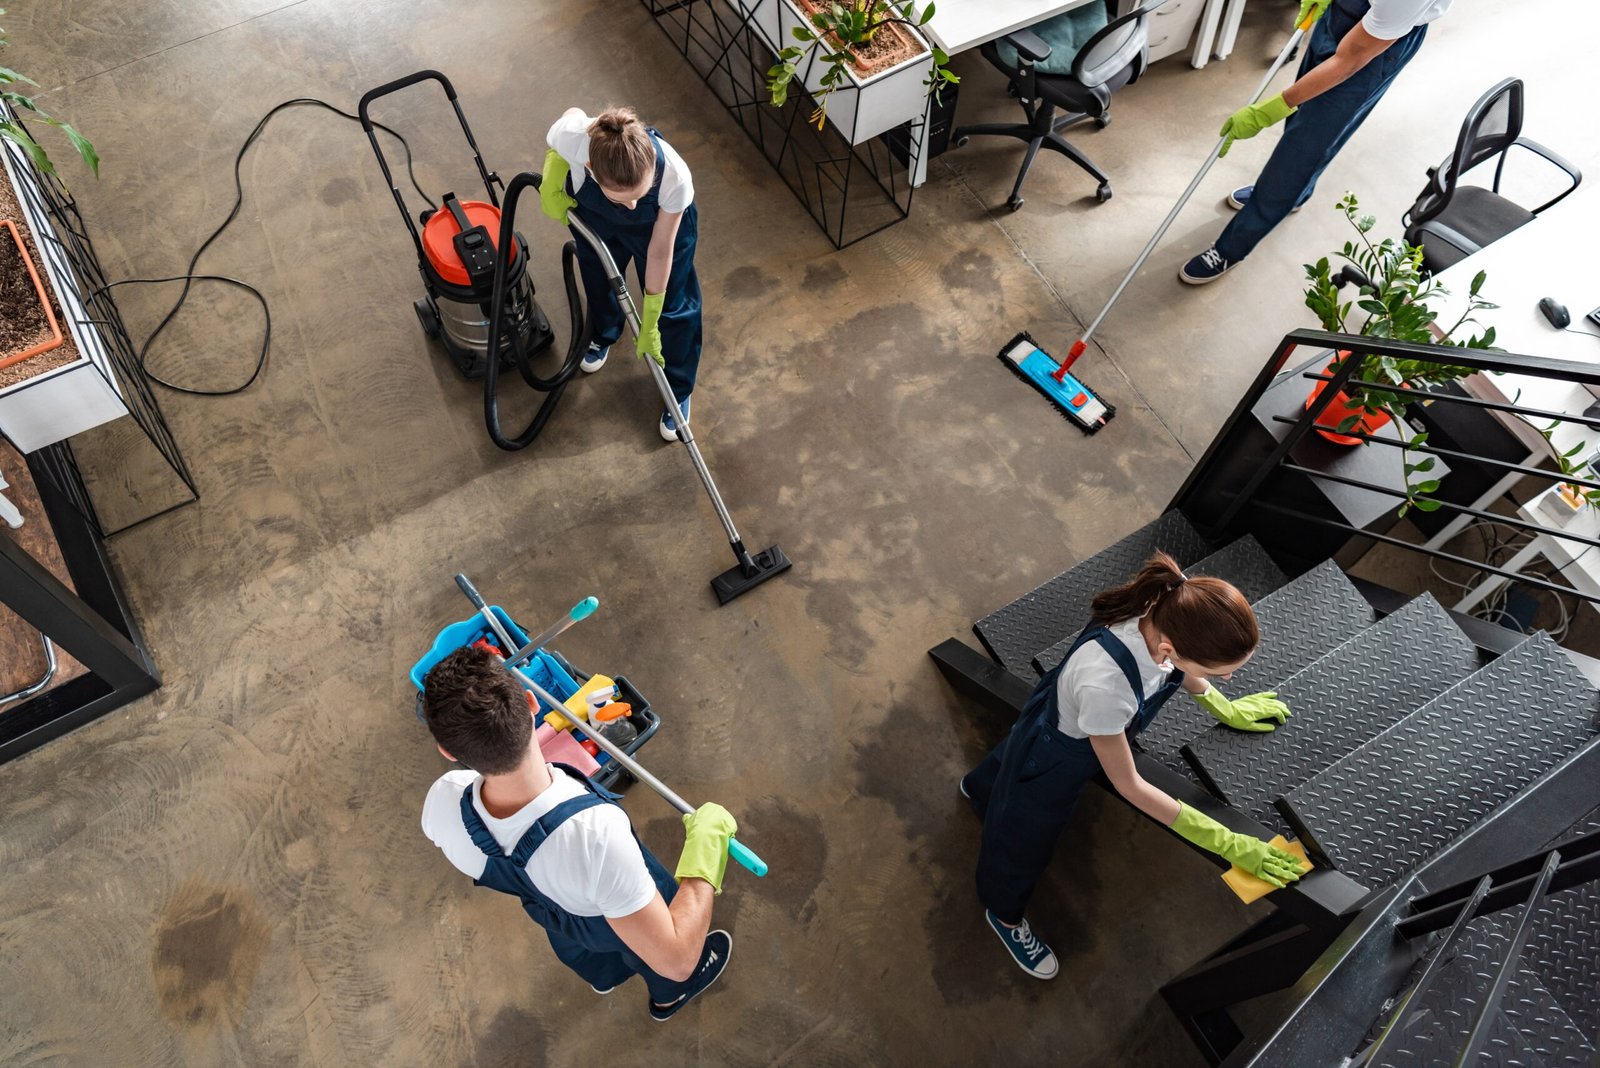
1186, 279
1025, 969
685, 1002
961, 785
588, 369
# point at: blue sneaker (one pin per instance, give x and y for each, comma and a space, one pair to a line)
594, 359
713, 960
1031, 955
1241, 196
669, 425
1206, 267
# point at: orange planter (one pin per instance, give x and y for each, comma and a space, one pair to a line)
1339, 409
55, 338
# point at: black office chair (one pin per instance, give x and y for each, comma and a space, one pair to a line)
1112, 58
1450, 220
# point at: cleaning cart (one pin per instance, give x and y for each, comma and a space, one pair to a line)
554, 674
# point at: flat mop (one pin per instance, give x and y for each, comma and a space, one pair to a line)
1076, 401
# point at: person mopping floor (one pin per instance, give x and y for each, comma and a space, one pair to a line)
545, 834
1356, 51
1159, 632
637, 195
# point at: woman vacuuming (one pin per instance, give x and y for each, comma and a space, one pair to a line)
1146, 639
636, 194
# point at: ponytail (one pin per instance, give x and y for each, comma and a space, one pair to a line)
1206, 619
620, 152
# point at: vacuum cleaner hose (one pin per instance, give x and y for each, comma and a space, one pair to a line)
578, 340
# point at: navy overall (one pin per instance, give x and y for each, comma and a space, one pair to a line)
1318, 129
586, 944
1025, 790
627, 234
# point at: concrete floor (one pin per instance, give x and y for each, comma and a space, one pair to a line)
231, 872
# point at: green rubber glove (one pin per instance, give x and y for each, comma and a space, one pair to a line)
649, 340
1252, 119
1253, 712
1311, 11
1264, 861
706, 831
553, 197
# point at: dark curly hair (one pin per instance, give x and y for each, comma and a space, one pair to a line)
478, 712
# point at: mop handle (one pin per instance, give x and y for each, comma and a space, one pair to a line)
576, 614
1194, 183
736, 849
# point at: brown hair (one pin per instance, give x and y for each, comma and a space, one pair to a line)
1207, 620
620, 152
477, 711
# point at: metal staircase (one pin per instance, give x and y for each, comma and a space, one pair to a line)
1407, 738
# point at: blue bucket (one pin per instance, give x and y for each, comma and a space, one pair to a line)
542, 668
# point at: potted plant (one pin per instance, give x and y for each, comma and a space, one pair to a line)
55, 377
871, 46
1392, 298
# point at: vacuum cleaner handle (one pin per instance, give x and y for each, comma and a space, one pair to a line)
363, 111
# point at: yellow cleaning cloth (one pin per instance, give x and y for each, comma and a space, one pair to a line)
1248, 887
578, 703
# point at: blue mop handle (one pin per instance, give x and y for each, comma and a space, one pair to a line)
747, 857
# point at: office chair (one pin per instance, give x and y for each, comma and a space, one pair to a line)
1450, 220
1112, 58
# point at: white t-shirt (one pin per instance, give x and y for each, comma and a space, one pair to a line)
570, 137
1093, 692
1389, 20
590, 866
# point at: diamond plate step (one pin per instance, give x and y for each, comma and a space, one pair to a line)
1051, 611
1564, 942
1395, 666
1530, 1028
1320, 610
1242, 562
1382, 809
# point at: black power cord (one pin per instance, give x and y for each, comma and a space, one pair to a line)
189, 277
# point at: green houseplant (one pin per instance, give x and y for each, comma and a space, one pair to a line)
1392, 301
13, 131
845, 31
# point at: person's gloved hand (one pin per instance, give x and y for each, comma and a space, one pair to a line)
553, 197
1312, 9
649, 340
706, 831
1263, 860
1252, 712
1252, 119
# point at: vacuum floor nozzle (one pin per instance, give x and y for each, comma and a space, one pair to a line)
740, 578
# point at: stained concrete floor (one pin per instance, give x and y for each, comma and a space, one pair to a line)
231, 872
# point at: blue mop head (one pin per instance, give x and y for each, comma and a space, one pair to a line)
1076, 401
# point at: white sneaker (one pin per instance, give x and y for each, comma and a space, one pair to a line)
594, 359
669, 426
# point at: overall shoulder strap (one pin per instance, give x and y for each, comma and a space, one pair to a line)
1122, 656
546, 825
661, 156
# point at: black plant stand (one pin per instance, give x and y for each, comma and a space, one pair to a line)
851, 191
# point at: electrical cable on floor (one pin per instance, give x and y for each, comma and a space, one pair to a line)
189, 277
1497, 550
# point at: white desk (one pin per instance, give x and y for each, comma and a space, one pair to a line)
958, 25
1553, 256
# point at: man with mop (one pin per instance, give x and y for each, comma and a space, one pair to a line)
1356, 51
546, 834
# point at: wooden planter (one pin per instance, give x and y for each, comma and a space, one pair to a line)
66, 396
869, 105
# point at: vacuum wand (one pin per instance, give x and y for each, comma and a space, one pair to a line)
1082, 343
736, 849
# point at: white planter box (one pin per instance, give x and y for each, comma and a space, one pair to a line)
863, 109
66, 400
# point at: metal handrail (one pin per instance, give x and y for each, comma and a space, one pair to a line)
1490, 1005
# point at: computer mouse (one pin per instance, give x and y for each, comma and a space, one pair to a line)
1556, 312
